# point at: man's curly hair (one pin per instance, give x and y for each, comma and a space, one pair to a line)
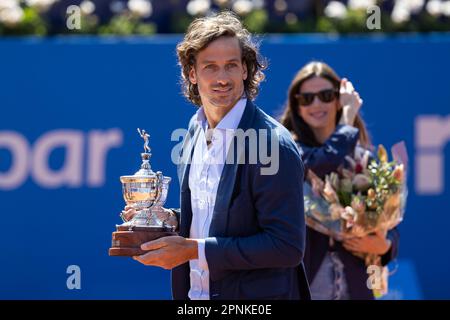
201, 32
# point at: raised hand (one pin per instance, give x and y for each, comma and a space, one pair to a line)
350, 101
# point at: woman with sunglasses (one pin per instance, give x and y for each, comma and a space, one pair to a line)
322, 114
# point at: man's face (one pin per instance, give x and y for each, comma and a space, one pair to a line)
219, 73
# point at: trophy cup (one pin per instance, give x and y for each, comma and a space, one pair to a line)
146, 191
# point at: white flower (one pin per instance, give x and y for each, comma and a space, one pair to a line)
290, 18
350, 215
242, 7
434, 7
11, 16
446, 8
8, 4
198, 7
361, 4
280, 5
336, 10
404, 8
41, 5
415, 6
141, 8
87, 7
401, 12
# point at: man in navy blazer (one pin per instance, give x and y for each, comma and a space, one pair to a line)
249, 244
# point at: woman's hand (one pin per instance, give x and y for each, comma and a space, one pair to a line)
375, 244
350, 102
166, 216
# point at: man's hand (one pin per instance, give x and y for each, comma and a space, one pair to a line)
168, 252
375, 244
350, 102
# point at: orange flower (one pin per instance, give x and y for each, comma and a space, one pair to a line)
398, 172
382, 154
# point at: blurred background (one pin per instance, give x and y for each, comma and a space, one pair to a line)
78, 77
126, 17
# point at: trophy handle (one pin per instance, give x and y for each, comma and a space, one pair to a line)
159, 186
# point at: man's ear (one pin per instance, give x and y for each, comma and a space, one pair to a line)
245, 74
192, 76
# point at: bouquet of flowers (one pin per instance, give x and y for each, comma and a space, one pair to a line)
366, 196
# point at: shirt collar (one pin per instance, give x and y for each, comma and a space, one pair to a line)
231, 119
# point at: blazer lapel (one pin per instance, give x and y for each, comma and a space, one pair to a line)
186, 153
228, 178
183, 175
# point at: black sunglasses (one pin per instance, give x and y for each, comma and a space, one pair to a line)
307, 98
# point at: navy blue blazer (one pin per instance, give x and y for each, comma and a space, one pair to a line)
324, 160
257, 233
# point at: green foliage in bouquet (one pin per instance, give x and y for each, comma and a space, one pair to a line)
367, 194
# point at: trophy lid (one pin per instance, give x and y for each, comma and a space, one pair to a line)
145, 171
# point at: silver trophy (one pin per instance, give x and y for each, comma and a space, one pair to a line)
146, 191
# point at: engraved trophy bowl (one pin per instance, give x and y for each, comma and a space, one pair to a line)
146, 191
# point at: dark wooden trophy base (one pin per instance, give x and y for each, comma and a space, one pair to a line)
126, 242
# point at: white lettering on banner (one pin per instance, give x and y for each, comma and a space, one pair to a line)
432, 135
18, 146
100, 142
71, 172
34, 161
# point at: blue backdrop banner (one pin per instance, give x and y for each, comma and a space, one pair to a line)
69, 112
